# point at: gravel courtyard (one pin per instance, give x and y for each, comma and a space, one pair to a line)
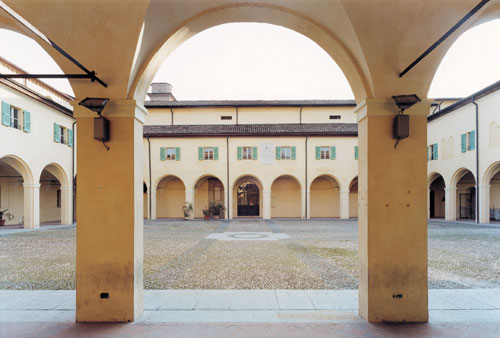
320, 254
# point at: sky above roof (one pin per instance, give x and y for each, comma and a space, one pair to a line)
245, 61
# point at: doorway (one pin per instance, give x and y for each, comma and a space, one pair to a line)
248, 199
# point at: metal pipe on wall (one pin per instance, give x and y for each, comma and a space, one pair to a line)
477, 158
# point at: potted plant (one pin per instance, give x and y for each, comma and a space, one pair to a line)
206, 213
187, 209
5, 214
216, 209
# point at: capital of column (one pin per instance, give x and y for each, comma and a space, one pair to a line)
378, 106
484, 186
66, 188
31, 185
114, 108
344, 191
450, 189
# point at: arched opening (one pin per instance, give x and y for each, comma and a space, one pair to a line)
145, 198
55, 196
11, 193
286, 199
208, 189
325, 197
353, 198
247, 197
466, 195
491, 182
437, 197
170, 197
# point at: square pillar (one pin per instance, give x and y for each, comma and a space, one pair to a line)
66, 205
31, 206
227, 197
153, 205
484, 203
190, 199
266, 204
392, 214
109, 235
303, 195
344, 204
450, 205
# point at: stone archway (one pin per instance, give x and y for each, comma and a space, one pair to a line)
286, 198
247, 197
324, 197
353, 198
56, 195
208, 189
437, 203
170, 197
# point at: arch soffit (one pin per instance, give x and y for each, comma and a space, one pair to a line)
161, 178
152, 57
492, 170
458, 174
248, 177
21, 166
330, 176
202, 177
287, 176
433, 176
59, 173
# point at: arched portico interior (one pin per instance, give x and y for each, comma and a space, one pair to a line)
128, 49
495, 197
353, 198
466, 195
437, 196
286, 198
207, 189
247, 197
489, 193
170, 197
145, 197
56, 196
324, 197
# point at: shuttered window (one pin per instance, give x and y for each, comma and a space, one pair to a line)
57, 133
278, 153
472, 140
27, 121
463, 142
5, 113
70, 137
356, 152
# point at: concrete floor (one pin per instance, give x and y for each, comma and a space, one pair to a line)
249, 313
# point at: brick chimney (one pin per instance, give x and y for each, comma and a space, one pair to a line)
161, 91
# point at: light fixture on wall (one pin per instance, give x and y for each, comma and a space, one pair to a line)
401, 126
101, 125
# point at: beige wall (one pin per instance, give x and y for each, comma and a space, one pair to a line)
48, 203
324, 197
286, 198
170, 197
12, 198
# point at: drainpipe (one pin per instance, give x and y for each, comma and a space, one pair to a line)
300, 115
227, 175
236, 115
477, 159
150, 187
171, 116
306, 186
73, 169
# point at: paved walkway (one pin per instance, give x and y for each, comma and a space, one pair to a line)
249, 313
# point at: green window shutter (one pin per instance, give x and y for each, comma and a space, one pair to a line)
27, 121
472, 140
70, 137
240, 153
57, 133
278, 153
356, 152
177, 154
162, 154
435, 149
216, 153
200, 153
318, 153
333, 155
294, 153
5, 113
254, 153
464, 142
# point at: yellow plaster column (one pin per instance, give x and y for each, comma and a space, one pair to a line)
303, 204
227, 193
31, 206
153, 205
392, 214
308, 204
450, 207
66, 205
190, 199
109, 239
266, 201
344, 204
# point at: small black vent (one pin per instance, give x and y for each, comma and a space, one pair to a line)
226, 117
334, 117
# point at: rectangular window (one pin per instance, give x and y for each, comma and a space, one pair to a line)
208, 153
14, 118
226, 117
471, 140
170, 154
63, 135
247, 153
58, 198
286, 153
334, 117
324, 153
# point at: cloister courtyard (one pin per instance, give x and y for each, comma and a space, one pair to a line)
252, 254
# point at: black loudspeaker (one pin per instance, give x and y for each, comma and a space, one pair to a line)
101, 129
401, 127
